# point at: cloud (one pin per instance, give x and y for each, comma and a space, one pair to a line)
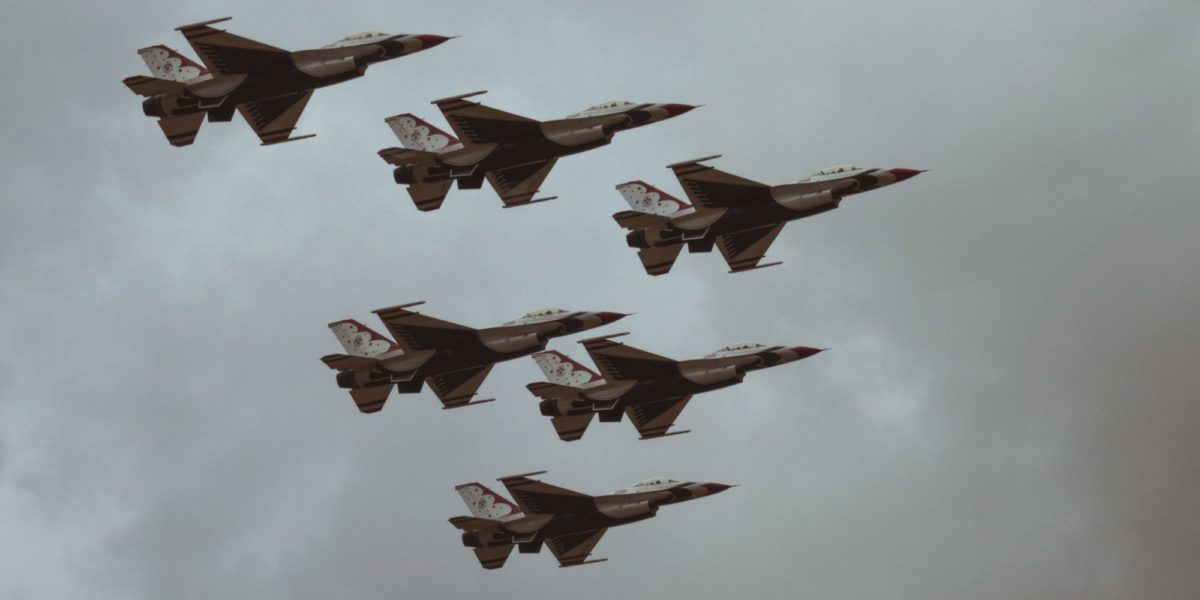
1007, 410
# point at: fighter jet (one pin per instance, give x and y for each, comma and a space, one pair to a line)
270, 86
740, 216
512, 152
570, 523
453, 359
651, 389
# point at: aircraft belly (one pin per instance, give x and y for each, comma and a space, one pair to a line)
507, 156
763, 217
456, 359
659, 391
567, 525
290, 83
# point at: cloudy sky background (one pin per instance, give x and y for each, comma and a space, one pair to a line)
1009, 409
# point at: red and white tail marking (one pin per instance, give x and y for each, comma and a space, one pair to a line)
646, 198
166, 63
486, 504
563, 370
417, 134
360, 340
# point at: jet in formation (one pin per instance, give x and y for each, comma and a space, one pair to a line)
569, 522
651, 389
514, 153
453, 359
270, 86
739, 216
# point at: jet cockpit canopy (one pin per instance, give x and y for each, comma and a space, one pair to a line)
365, 37
612, 106
536, 315
737, 350
835, 170
648, 485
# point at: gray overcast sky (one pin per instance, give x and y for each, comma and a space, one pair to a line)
1009, 409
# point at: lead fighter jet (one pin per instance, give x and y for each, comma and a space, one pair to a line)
569, 522
514, 153
739, 216
270, 86
651, 389
453, 359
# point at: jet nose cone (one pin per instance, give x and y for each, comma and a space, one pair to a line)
674, 110
429, 40
715, 488
803, 352
609, 317
902, 174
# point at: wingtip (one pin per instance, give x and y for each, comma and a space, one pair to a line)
693, 161
202, 23
520, 476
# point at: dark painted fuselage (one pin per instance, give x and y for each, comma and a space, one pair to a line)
289, 74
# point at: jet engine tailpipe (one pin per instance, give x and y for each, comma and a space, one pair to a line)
563, 407
482, 539
155, 106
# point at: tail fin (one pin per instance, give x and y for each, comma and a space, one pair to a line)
646, 198
360, 340
486, 504
166, 63
563, 370
417, 134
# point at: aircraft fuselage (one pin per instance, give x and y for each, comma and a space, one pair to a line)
791, 202
296, 72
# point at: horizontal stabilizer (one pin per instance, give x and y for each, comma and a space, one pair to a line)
472, 523
151, 86
371, 399
182, 130
493, 557
553, 391
571, 428
429, 196
345, 362
659, 259
402, 156
633, 220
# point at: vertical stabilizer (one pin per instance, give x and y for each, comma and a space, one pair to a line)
417, 134
563, 370
646, 198
486, 504
360, 340
166, 63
